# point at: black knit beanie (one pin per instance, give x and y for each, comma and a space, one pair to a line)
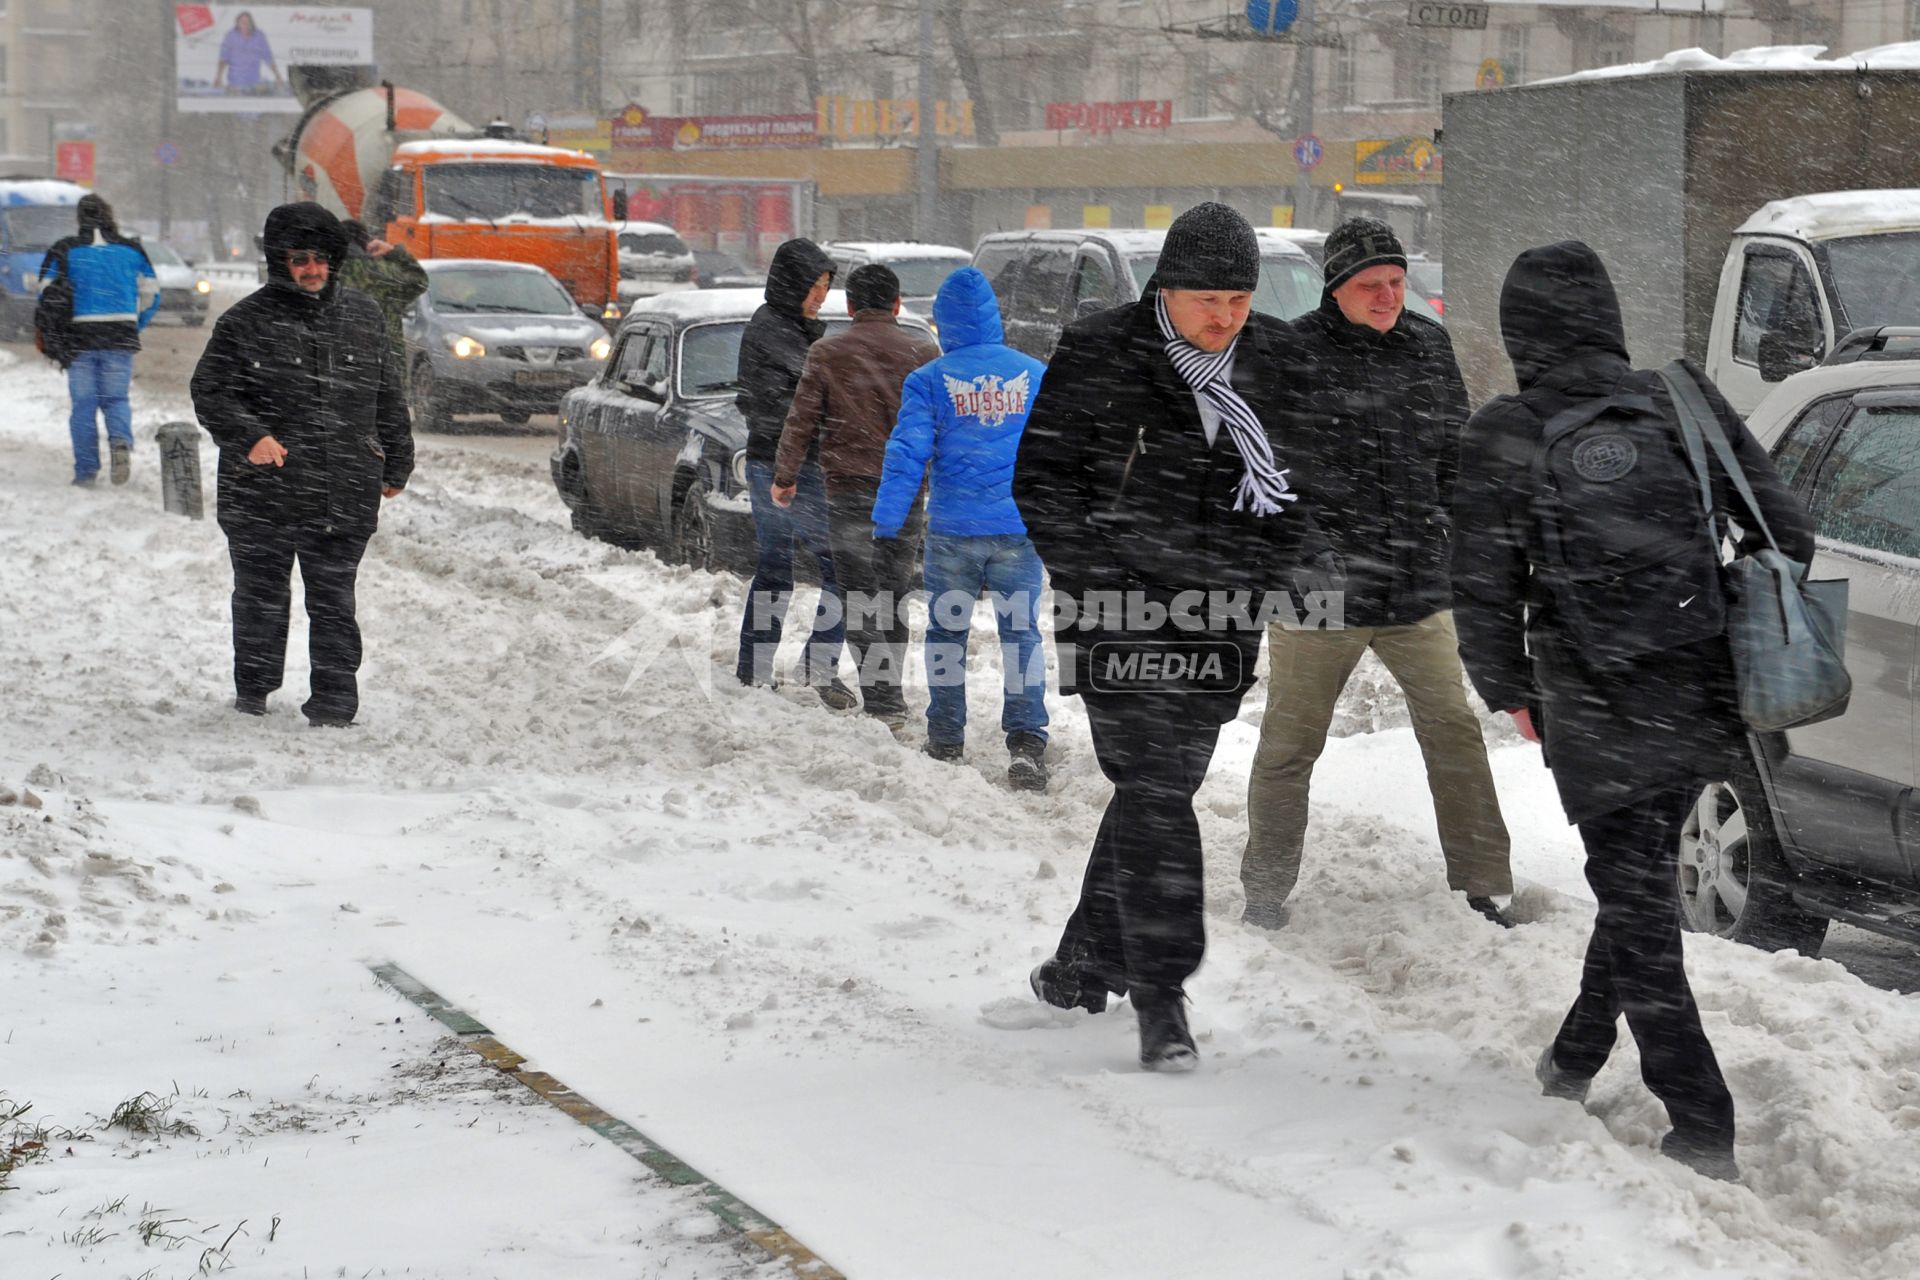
1357, 244
1209, 247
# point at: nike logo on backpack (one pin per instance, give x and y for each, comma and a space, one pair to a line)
1689, 600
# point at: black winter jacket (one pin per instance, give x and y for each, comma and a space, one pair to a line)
1614, 731
1378, 447
1111, 397
773, 350
316, 373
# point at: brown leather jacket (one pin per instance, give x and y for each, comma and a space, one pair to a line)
849, 396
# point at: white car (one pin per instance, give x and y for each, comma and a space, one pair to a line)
184, 292
653, 260
922, 268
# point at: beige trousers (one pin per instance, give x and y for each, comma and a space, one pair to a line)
1307, 671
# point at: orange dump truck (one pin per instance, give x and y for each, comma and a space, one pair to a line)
420, 176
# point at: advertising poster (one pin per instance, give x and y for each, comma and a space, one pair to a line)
234, 57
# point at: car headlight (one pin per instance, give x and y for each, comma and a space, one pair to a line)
203, 286
611, 311
601, 348
466, 348
740, 469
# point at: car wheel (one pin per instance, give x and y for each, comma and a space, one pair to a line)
429, 406
1733, 878
515, 417
692, 542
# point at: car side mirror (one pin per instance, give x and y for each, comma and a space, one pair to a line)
1782, 354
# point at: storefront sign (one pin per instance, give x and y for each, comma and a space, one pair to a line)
576, 133
635, 129
74, 162
859, 119
1456, 17
1405, 161
1105, 117
1492, 74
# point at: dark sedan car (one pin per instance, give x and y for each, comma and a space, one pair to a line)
653, 452
495, 337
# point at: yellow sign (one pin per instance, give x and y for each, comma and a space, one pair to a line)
1099, 216
1492, 75
1157, 217
1408, 161
1282, 216
852, 119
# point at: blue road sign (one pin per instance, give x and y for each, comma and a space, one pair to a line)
1271, 17
167, 153
1308, 151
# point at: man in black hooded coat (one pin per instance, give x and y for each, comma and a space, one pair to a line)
1631, 740
773, 351
299, 388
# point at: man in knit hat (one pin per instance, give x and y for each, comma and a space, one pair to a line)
1159, 500
1378, 444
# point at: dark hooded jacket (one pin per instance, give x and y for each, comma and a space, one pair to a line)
1107, 516
1378, 445
1613, 730
773, 350
315, 372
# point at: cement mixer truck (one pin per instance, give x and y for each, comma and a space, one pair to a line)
420, 176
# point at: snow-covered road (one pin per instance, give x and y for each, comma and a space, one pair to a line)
789, 949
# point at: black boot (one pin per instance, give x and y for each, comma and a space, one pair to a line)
1556, 1082
1709, 1160
250, 704
1028, 769
1060, 987
1165, 1043
1491, 910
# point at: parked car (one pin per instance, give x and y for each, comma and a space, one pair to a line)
1047, 279
713, 269
1823, 826
1313, 241
922, 268
184, 292
653, 259
653, 452
1424, 279
496, 337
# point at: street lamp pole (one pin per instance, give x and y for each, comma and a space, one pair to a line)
1303, 73
926, 210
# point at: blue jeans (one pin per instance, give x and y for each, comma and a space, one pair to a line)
956, 570
778, 533
98, 382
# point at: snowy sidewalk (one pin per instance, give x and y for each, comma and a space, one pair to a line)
788, 949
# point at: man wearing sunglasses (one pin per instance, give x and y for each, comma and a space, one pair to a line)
301, 390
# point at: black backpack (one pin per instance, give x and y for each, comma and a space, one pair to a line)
53, 313
1631, 558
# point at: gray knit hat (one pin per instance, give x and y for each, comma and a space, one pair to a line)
1357, 244
1209, 247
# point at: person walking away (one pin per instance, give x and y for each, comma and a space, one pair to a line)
960, 420
110, 293
773, 350
1149, 475
298, 388
389, 275
847, 401
1624, 673
1378, 445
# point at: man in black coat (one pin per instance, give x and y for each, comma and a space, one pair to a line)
1377, 444
1634, 723
299, 388
773, 351
1150, 486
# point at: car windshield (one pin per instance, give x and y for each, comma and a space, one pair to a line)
37, 226
922, 277
490, 191
1878, 277
1288, 287
161, 255
710, 357
502, 292
662, 243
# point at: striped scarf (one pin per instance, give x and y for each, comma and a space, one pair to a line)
1264, 487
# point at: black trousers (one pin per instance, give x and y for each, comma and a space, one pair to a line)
1139, 925
874, 579
263, 560
1634, 967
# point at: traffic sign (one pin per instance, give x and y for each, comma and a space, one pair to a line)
167, 153
1308, 151
1271, 17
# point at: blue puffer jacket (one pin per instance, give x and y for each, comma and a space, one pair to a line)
963, 413
115, 293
